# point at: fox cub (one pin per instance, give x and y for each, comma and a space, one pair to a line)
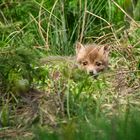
92, 58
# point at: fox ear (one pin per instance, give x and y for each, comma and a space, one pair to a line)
104, 50
79, 46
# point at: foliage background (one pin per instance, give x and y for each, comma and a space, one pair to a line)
30, 30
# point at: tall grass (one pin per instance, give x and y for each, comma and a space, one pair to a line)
57, 24
101, 128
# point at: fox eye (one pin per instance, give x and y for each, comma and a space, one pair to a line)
98, 63
85, 63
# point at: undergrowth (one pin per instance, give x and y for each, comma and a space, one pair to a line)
56, 100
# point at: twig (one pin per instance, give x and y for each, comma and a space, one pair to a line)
39, 21
103, 36
84, 18
48, 27
123, 72
107, 23
136, 44
39, 25
125, 13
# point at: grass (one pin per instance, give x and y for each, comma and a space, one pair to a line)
58, 101
76, 106
100, 128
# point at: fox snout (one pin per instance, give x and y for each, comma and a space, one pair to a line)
91, 69
95, 68
93, 72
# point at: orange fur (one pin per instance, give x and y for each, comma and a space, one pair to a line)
92, 58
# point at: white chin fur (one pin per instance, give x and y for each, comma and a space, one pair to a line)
95, 72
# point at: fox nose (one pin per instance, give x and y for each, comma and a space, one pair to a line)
94, 74
91, 73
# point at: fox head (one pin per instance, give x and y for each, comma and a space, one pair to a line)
92, 58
